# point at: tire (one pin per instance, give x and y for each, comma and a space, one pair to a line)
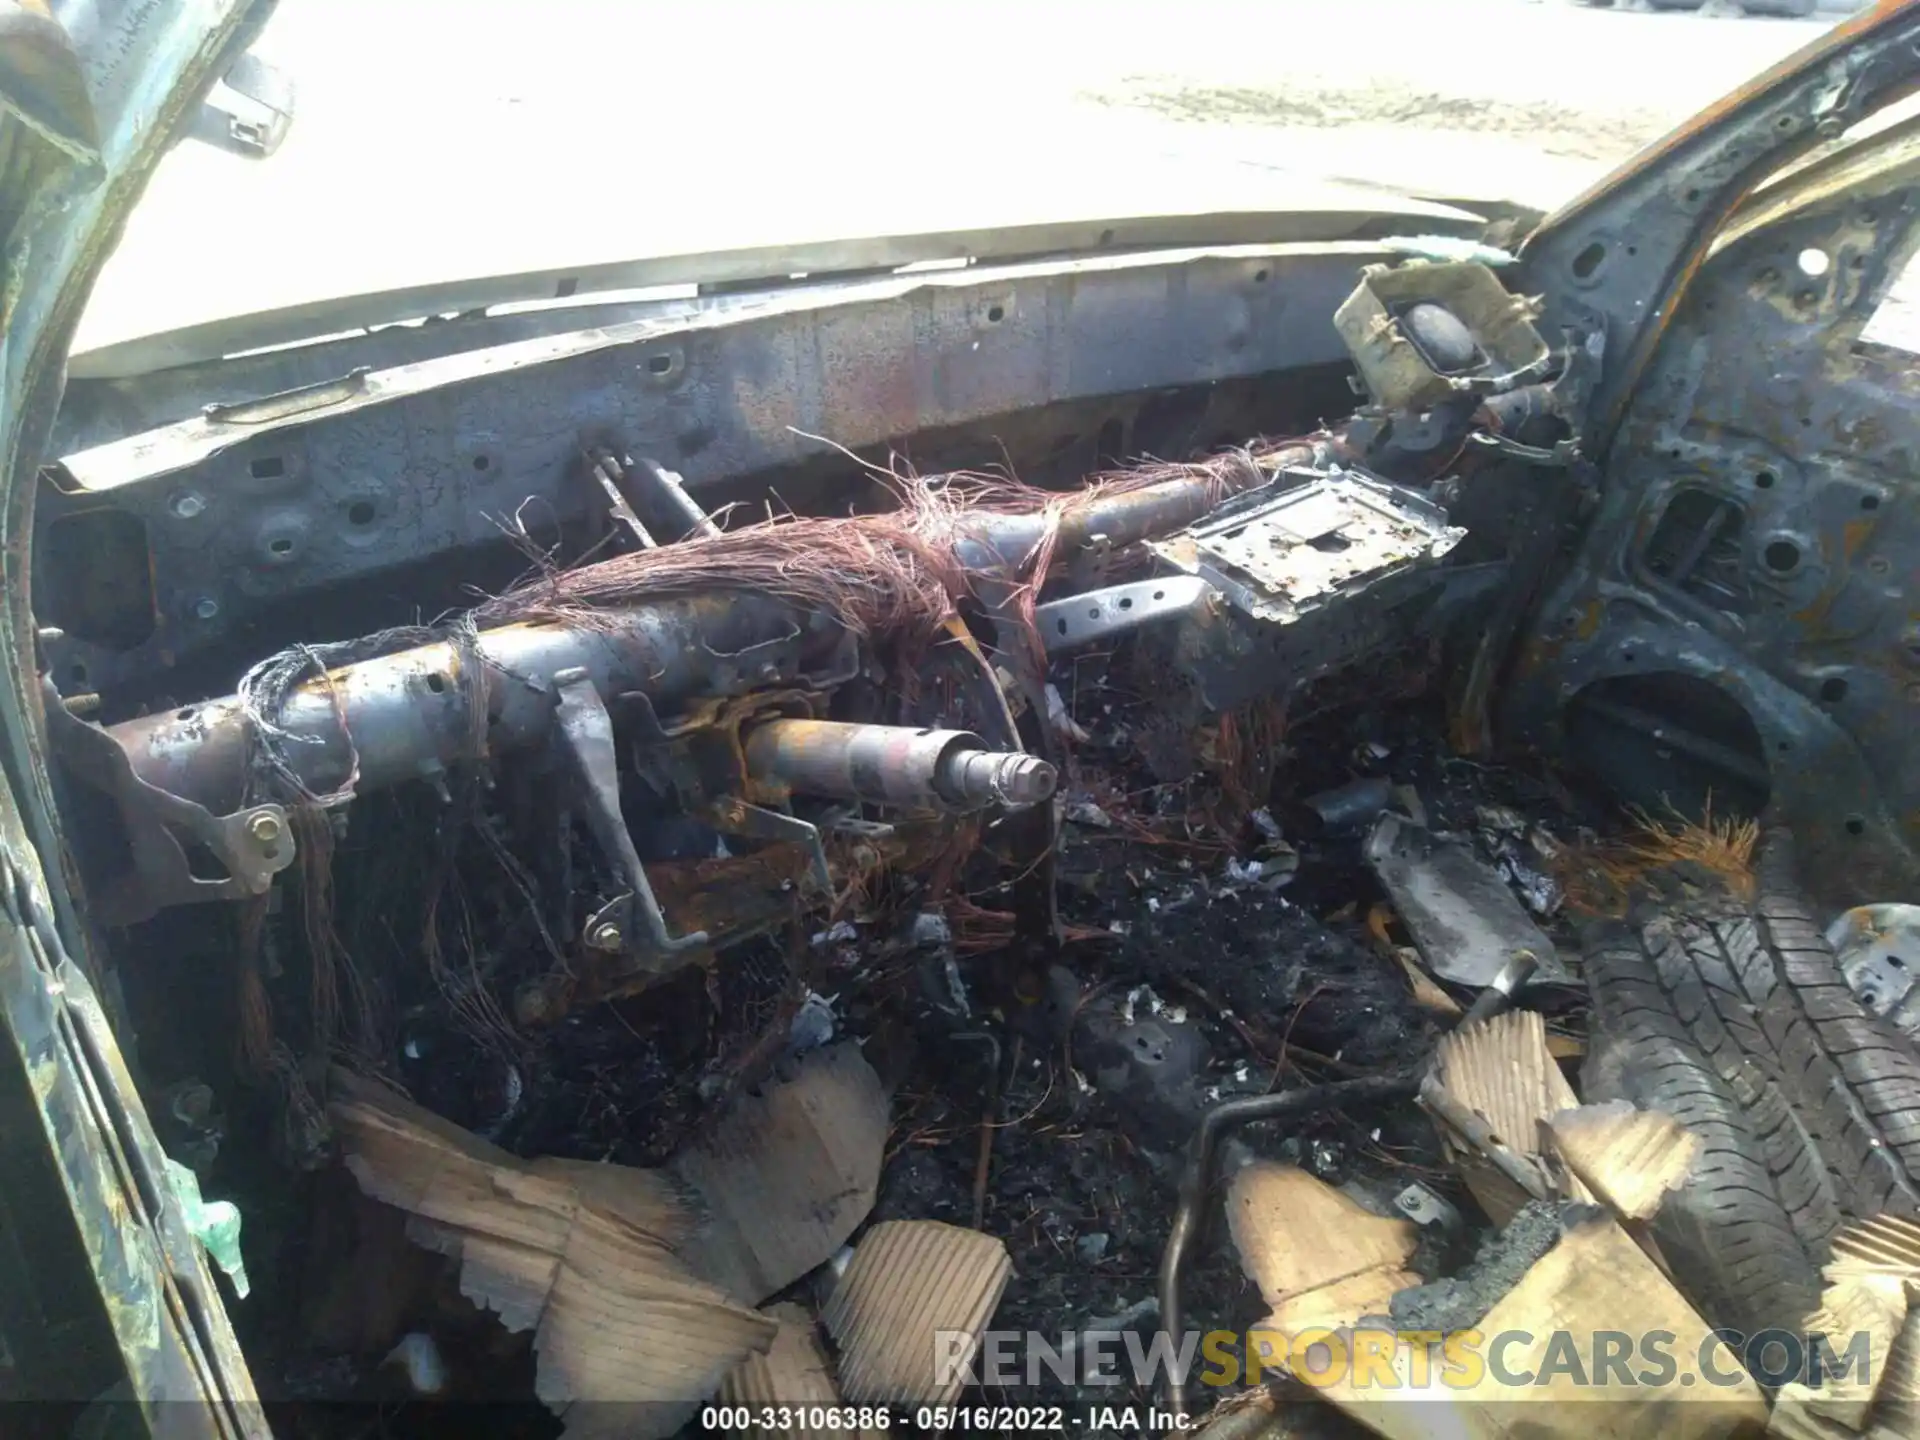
1853, 1076
1786, 9
1744, 1232
1733, 1016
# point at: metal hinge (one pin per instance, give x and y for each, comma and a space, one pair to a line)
249, 111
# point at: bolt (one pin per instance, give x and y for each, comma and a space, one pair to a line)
187, 504
264, 827
606, 936
979, 777
1027, 779
206, 607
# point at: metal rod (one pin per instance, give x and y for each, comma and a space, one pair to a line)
948, 770
1198, 1180
606, 471
1499, 994
412, 714
671, 491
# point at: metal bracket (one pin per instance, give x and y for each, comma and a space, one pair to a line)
1425, 1208
254, 127
646, 488
671, 498
856, 827
584, 736
645, 720
1563, 454
607, 473
251, 845
295, 400
1116, 610
755, 822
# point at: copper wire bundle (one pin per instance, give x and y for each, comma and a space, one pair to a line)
1602, 880
895, 573
255, 1031
873, 573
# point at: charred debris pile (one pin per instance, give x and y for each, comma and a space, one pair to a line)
721, 966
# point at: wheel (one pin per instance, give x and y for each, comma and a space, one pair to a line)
1732, 1015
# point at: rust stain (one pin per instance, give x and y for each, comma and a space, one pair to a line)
708, 894
1814, 617
1853, 535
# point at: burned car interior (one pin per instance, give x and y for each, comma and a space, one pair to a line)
654, 857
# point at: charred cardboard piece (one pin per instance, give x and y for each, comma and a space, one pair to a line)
787, 1175
909, 1283
628, 1341
1326, 1264
1499, 1073
636, 1283
1465, 921
1842, 1406
1885, 1246
1250, 1415
793, 1371
793, 1375
1896, 1407
1596, 1281
1319, 1257
1873, 1283
1628, 1158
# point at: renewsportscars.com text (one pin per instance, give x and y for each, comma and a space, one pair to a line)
1404, 1359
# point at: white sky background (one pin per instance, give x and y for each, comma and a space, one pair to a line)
443, 138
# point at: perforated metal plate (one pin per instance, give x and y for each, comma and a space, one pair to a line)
1334, 534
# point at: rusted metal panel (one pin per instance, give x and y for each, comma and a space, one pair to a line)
1759, 526
410, 466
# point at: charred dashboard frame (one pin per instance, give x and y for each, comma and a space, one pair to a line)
663, 668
